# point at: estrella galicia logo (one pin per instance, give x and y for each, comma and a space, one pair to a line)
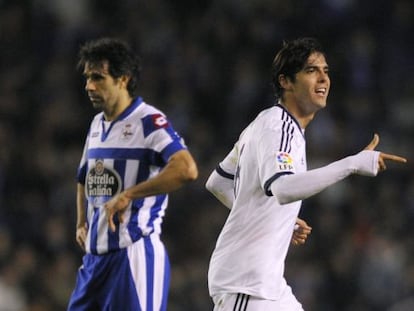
102, 183
284, 161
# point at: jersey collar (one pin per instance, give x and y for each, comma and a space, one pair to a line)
134, 104
291, 116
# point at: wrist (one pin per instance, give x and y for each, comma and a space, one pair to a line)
127, 194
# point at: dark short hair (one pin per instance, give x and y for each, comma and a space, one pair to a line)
120, 57
291, 59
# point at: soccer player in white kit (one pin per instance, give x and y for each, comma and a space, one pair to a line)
263, 180
132, 159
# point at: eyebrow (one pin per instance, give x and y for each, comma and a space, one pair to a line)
93, 73
308, 66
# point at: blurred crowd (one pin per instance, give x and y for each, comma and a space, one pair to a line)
206, 64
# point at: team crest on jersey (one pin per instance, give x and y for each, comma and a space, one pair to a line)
127, 132
102, 183
284, 161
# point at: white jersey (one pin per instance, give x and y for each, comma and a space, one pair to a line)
116, 156
250, 252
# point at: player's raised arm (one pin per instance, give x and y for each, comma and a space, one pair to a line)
368, 162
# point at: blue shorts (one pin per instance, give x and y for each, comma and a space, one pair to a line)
132, 279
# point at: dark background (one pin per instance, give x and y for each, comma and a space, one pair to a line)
206, 64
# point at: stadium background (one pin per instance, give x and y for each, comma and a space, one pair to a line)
207, 65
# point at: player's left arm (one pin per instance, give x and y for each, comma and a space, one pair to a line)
301, 232
180, 169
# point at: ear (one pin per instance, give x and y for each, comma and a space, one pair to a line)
124, 80
285, 82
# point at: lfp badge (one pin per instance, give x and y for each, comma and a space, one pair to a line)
284, 161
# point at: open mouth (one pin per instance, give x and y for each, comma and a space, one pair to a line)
321, 91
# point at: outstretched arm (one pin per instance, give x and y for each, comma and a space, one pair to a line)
295, 187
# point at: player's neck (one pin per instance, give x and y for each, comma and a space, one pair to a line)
303, 117
118, 108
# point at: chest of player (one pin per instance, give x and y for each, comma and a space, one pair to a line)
299, 153
118, 134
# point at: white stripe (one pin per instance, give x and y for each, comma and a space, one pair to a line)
131, 170
136, 255
102, 243
137, 263
145, 214
159, 219
159, 270
162, 140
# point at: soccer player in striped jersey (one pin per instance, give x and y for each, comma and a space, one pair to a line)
263, 180
131, 160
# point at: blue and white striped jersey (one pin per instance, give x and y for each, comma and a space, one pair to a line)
116, 156
251, 249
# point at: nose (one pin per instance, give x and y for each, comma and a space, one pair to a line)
323, 75
89, 86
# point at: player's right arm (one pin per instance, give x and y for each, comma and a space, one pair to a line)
295, 187
221, 187
81, 225
221, 181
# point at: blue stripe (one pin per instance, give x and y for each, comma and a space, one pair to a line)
292, 118
287, 136
223, 173
121, 153
166, 285
149, 256
150, 156
292, 129
143, 172
172, 148
268, 183
134, 231
283, 138
130, 108
81, 174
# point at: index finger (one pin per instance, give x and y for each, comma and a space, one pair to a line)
393, 157
110, 218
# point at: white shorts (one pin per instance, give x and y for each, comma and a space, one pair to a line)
243, 302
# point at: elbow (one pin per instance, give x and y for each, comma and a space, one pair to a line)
193, 174
209, 185
190, 173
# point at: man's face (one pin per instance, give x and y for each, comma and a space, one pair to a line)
311, 87
103, 90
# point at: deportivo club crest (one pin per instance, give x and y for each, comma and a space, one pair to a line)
127, 132
102, 183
